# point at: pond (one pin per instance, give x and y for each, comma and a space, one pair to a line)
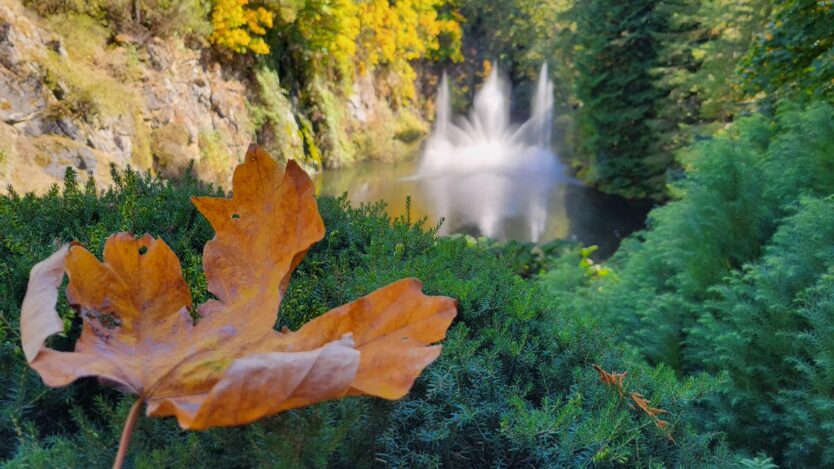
572, 210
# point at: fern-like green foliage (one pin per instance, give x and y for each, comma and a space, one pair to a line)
772, 330
513, 387
735, 278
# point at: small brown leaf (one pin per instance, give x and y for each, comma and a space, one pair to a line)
616, 380
643, 404
662, 424
654, 413
611, 379
231, 367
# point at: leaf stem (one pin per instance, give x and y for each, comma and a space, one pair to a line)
126, 432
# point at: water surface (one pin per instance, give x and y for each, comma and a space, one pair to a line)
570, 209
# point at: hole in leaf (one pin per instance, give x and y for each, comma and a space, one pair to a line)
235, 216
143, 250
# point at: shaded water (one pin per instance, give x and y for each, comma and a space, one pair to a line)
573, 211
490, 177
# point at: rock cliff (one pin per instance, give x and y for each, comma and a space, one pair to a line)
71, 96
75, 94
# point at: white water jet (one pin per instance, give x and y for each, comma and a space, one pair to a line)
444, 109
482, 169
541, 121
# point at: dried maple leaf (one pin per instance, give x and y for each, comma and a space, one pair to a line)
611, 379
230, 367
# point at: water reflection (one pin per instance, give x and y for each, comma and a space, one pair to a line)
493, 202
573, 211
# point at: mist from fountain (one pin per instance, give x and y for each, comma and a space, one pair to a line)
482, 170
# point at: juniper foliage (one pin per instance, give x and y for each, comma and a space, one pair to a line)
513, 387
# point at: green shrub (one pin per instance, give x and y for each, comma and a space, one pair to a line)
513, 386
772, 330
740, 187
734, 278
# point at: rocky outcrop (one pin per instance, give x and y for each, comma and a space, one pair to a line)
71, 96
75, 95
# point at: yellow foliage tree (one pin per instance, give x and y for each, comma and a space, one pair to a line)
238, 26
330, 28
349, 34
394, 34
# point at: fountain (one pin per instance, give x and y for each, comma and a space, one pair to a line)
487, 175
484, 171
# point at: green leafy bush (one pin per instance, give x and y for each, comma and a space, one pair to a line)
739, 189
772, 330
513, 386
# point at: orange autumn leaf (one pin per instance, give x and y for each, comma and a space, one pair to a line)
611, 379
229, 367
